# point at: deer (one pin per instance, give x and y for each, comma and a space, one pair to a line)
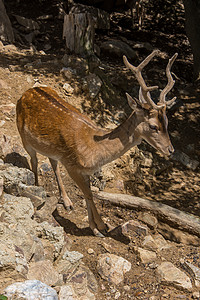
52, 127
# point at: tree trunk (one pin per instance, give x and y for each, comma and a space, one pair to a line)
192, 23
6, 32
78, 32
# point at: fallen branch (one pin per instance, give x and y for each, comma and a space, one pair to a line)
182, 220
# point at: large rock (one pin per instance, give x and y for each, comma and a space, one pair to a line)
17, 175
16, 209
82, 285
68, 262
112, 267
18, 181
171, 275
193, 271
17, 248
52, 234
185, 160
43, 271
30, 290
155, 243
118, 49
13, 264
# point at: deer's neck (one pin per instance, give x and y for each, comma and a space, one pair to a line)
115, 143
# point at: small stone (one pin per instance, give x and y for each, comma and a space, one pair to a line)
149, 219
68, 72
117, 295
149, 243
8, 109
2, 122
134, 227
127, 288
12, 68
196, 295
145, 256
147, 162
171, 275
90, 251
29, 79
3, 84
112, 267
94, 84
38, 84
68, 88
45, 167
153, 265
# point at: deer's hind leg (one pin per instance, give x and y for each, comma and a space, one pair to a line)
63, 195
34, 161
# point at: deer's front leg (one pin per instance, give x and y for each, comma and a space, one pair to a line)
63, 195
97, 225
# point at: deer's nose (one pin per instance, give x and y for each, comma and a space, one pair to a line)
171, 149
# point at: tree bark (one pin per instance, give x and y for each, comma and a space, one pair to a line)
6, 32
78, 32
177, 218
192, 24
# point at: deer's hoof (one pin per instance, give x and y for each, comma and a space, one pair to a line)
98, 233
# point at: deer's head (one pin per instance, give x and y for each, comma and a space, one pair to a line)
152, 117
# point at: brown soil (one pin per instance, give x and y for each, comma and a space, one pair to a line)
167, 181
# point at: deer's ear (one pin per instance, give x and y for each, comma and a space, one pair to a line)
132, 103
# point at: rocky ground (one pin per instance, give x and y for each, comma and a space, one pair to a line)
143, 258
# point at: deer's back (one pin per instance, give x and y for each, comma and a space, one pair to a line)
50, 125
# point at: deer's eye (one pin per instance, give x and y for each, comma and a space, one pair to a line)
154, 127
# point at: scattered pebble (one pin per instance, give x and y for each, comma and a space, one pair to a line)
90, 251
117, 295
127, 288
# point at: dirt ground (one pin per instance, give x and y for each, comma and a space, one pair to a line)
168, 181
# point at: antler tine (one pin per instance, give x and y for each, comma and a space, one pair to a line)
147, 59
170, 83
137, 71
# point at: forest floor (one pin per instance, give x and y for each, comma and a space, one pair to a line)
169, 182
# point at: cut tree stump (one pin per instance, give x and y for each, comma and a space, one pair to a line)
173, 216
78, 31
6, 31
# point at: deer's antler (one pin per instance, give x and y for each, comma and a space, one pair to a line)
137, 71
170, 83
144, 89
